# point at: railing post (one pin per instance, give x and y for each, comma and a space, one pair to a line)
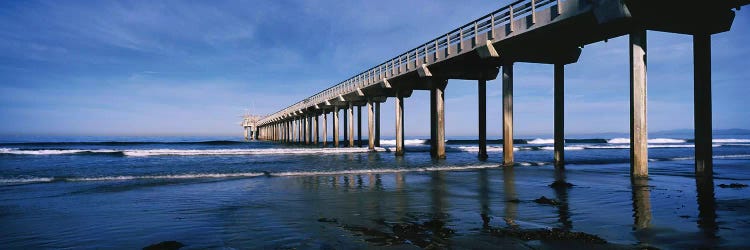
510, 19
491, 34
460, 39
436, 50
476, 33
533, 11
447, 45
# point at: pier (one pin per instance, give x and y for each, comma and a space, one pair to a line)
529, 31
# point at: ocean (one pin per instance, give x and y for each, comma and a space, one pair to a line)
225, 193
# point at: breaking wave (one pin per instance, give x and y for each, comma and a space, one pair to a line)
186, 152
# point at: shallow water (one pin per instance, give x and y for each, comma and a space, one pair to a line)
93, 194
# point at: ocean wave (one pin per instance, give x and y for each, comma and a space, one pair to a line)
406, 142
731, 140
730, 156
384, 171
26, 180
649, 146
178, 176
541, 141
476, 149
566, 148
186, 152
653, 141
30, 180
16, 151
284, 151
120, 143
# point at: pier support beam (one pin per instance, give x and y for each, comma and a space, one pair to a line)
350, 112
559, 115
307, 129
482, 96
437, 128
289, 131
702, 108
377, 124
370, 126
300, 133
325, 128
638, 129
316, 128
335, 127
508, 114
399, 124
346, 123
359, 126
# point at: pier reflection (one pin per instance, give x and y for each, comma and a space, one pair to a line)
438, 195
484, 198
706, 207
561, 193
511, 197
641, 203
401, 196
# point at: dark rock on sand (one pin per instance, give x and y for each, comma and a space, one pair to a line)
547, 201
547, 234
733, 185
165, 245
561, 184
430, 234
329, 220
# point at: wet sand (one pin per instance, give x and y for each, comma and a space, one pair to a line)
485, 208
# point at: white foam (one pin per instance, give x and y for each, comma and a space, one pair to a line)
476, 148
653, 141
731, 140
665, 140
268, 151
731, 156
53, 151
566, 148
649, 146
618, 140
541, 141
182, 176
385, 171
406, 142
25, 180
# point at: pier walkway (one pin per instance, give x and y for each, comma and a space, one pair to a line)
531, 31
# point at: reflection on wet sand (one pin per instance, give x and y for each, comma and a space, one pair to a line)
561, 194
402, 199
707, 208
484, 197
439, 195
641, 203
511, 198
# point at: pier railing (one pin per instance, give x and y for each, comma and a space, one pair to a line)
441, 48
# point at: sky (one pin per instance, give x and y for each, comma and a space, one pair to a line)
194, 67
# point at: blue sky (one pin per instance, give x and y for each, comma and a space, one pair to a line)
193, 67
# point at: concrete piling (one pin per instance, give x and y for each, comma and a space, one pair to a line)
350, 113
377, 124
399, 124
370, 126
559, 122
508, 114
638, 129
482, 96
702, 108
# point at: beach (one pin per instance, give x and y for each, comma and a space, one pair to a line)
225, 194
